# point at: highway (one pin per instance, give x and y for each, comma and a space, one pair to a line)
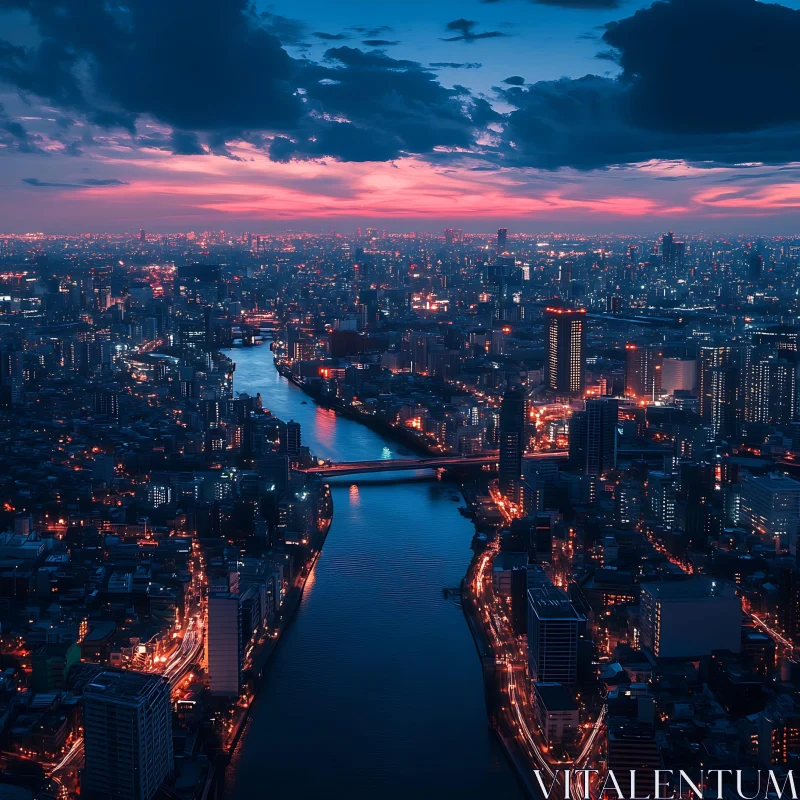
511, 659
186, 654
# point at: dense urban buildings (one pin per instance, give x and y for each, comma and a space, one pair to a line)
618, 414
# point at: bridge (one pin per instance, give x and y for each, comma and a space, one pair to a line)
436, 462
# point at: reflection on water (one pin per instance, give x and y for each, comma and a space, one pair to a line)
376, 691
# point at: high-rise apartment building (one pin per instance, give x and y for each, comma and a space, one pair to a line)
566, 349
127, 720
512, 442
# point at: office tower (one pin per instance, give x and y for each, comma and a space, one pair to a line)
566, 346
418, 346
106, 402
449, 236
724, 401
708, 359
502, 240
770, 389
593, 437
755, 267
643, 368
627, 503
679, 256
512, 442
565, 277
678, 374
11, 378
668, 252
691, 618
789, 602
770, 505
784, 338
556, 712
661, 498
127, 720
224, 644
289, 438
142, 236
101, 287
555, 631
631, 745
778, 735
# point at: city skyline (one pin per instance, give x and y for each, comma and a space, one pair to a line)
540, 115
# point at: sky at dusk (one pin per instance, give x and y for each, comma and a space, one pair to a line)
572, 115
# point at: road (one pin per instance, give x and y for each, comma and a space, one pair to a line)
511, 658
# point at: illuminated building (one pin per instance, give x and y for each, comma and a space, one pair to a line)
708, 359
778, 736
127, 720
643, 367
661, 498
555, 629
566, 349
502, 240
770, 390
593, 437
770, 505
512, 442
691, 618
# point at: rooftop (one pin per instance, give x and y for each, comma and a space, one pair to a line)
123, 685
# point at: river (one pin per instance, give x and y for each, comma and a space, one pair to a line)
376, 691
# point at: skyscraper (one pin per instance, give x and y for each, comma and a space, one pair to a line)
755, 266
293, 440
512, 442
566, 349
770, 389
642, 372
668, 251
127, 720
224, 644
593, 436
708, 359
555, 630
724, 400
502, 240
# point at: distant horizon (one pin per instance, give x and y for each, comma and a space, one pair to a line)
241, 229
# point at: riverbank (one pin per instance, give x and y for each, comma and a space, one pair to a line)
493, 686
379, 426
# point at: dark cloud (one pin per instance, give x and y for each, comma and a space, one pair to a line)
671, 102
84, 184
330, 37
114, 62
187, 143
577, 4
514, 80
455, 65
466, 32
731, 52
15, 135
372, 32
289, 31
215, 71
387, 107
